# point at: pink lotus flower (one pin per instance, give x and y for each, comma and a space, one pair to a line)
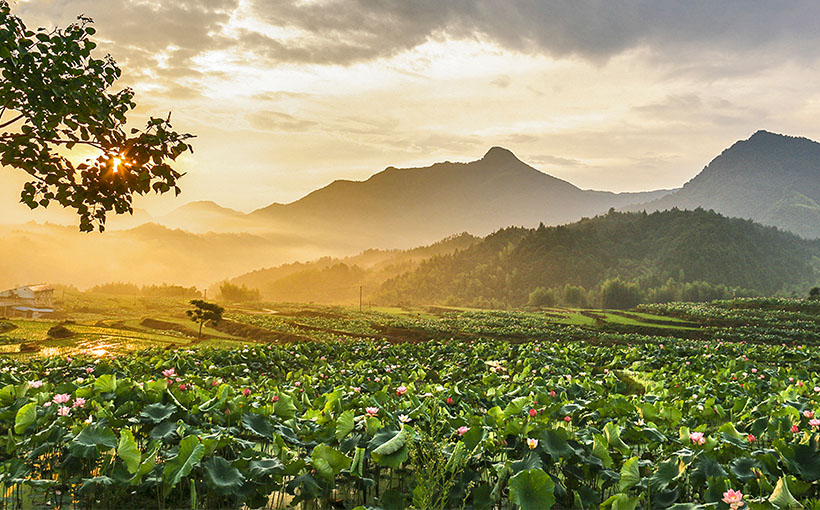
169, 373
751, 438
532, 443
567, 419
697, 437
79, 402
35, 384
401, 390
371, 411
61, 398
450, 401
808, 414
357, 389
215, 383
89, 370
297, 384
814, 422
404, 418
533, 413
552, 393
246, 391
63, 411
182, 387
795, 429
733, 498
463, 430
275, 398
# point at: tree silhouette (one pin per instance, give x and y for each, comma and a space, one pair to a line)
55, 99
204, 312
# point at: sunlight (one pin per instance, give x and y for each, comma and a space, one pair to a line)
116, 163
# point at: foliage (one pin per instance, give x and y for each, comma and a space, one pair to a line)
57, 98
203, 312
238, 294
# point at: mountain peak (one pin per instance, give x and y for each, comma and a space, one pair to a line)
499, 155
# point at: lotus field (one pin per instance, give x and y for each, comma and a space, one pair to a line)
477, 423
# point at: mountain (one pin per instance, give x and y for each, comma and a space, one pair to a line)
339, 280
205, 216
770, 178
646, 249
407, 207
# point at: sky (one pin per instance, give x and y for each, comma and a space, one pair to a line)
286, 96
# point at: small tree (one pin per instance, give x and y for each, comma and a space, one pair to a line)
203, 312
814, 293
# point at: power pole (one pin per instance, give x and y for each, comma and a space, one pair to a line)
360, 298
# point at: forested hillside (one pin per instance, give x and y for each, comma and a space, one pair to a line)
655, 257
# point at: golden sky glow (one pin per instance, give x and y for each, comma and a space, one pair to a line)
285, 97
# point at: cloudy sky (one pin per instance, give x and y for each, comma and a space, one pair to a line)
287, 95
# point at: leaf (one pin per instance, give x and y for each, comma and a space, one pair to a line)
532, 489
127, 450
344, 425
392, 445
190, 453
258, 424
782, 498
265, 467
600, 449
356, 467
613, 437
329, 462
25, 417
91, 439
221, 476
106, 383
156, 413
515, 407
630, 475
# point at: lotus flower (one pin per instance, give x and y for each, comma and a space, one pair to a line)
463, 430
808, 414
552, 393
89, 370
63, 411
697, 437
567, 419
35, 384
79, 402
275, 398
450, 401
533, 413
814, 422
372, 411
733, 498
401, 390
61, 398
246, 391
404, 418
169, 373
532, 443
795, 429
751, 438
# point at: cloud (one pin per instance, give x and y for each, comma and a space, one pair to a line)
347, 31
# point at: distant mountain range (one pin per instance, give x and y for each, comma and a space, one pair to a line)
769, 178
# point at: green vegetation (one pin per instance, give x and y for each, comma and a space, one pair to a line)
615, 261
518, 410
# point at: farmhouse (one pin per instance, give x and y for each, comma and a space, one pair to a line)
27, 301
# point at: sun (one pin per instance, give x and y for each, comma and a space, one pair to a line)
116, 162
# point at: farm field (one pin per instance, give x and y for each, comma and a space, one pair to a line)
665, 406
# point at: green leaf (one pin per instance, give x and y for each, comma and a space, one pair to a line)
258, 424
344, 425
600, 449
613, 437
782, 498
393, 445
91, 439
127, 450
106, 383
25, 417
532, 489
356, 467
156, 413
176, 468
630, 475
328, 461
222, 477
515, 407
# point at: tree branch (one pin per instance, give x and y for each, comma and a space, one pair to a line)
12, 121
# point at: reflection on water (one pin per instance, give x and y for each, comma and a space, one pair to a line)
97, 352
